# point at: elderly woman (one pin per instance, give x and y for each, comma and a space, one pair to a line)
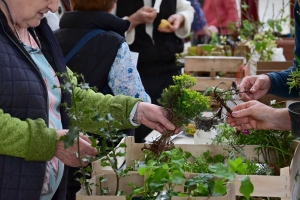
32, 158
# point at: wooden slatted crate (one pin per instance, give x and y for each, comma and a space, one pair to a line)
264, 186
212, 65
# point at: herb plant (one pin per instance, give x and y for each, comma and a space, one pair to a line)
182, 104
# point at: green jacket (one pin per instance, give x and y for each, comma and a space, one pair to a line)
32, 140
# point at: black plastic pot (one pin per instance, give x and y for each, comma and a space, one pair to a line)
294, 112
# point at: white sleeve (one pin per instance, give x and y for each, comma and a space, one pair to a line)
184, 8
128, 36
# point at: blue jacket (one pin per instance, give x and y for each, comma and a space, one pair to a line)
279, 79
23, 94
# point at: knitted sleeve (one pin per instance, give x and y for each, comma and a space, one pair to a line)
29, 139
118, 106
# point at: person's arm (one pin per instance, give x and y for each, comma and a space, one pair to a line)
121, 108
185, 9
279, 85
29, 139
124, 78
118, 106
145, 15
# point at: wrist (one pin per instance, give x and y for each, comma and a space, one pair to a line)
133, 116
282, 120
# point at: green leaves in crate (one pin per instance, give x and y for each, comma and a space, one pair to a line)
229, 172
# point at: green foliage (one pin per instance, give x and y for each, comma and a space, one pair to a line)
110, 134
236, 166
183, 102
167, 171
76, 115
294, 77
275, 146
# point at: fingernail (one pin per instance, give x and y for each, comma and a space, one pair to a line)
234, 113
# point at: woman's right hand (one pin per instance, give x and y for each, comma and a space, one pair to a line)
254, 87
68, 156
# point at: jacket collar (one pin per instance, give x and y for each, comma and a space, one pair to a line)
92, 20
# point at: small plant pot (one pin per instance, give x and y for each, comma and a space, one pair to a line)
294, 112
205, 123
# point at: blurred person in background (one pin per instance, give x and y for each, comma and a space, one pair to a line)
220, 13
199, 25
156, 46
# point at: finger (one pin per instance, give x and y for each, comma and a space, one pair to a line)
87, 149
256, 86
160, 128
85, 138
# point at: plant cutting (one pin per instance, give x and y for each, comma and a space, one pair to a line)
109, 153
182, 104
75, 128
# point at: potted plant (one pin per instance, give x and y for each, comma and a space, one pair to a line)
294, 108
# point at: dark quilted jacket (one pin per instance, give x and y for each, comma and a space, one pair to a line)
23, 94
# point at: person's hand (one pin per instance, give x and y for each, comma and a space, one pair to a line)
154, 117
68, 156
212, 29
176, 21
253, 114
145, 15
254, 87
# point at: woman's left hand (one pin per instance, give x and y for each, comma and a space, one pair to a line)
154, 117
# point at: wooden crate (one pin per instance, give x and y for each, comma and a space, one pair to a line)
264, 67
264, 186
137, 180
288, 45
212, 65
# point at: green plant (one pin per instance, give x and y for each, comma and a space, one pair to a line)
182, 105
76, 115
293, 81
168, 170
109, 133
275, 146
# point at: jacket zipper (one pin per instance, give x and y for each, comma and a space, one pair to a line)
37, 69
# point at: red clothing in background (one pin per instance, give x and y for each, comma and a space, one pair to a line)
225, 10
